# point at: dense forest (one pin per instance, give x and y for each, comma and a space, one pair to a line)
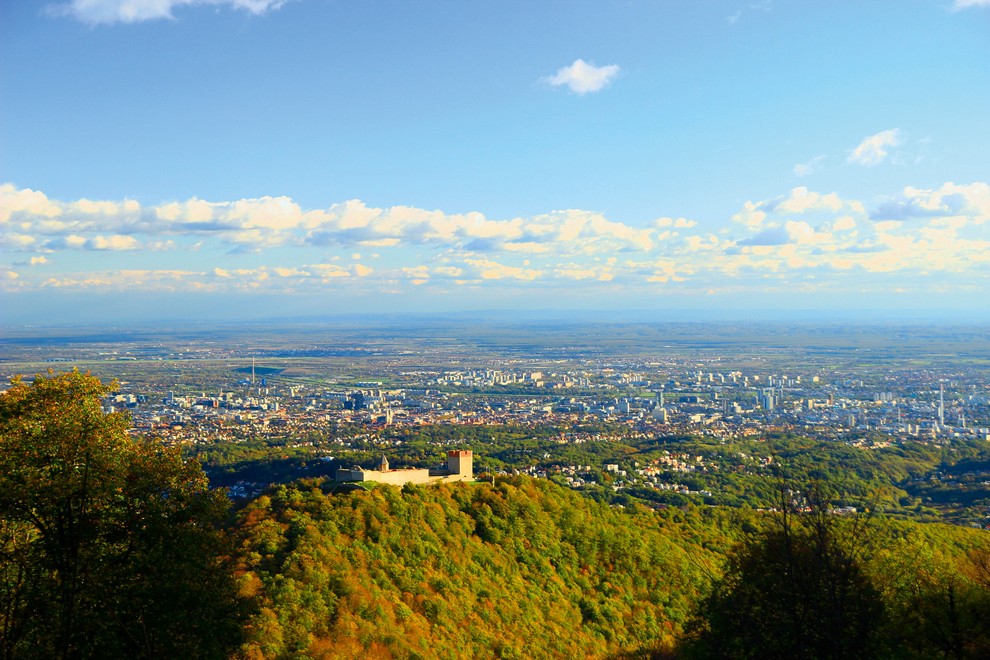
521, 568
916, 480
116, 547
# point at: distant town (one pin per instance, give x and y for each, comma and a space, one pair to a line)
918, 405
364, 394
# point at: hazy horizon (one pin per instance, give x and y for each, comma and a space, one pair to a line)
198, 318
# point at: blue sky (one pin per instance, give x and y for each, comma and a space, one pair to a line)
244, 158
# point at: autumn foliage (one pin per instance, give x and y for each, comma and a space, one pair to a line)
108, 547
112, 547
522, 568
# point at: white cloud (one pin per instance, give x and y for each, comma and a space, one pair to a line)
788, 239
802, 233
94, 12
328, 272
18, 241
29, 218
875, 148
130, 280
676, 223
526, 246
770, 221
575, 272
844, 223
492, 270
966, 4
802, 200
582, 77
756, 6
449, 271
113, 243
751, 215
14, 201
808, 167
289, 272
971, 201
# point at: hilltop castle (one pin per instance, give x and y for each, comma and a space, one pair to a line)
459, 468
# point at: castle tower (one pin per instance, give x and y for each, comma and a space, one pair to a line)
383, 464
461, 462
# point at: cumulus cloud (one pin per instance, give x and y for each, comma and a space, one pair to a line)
582, 77
18, 241
246, 225
33, 203
811, 235
113, 243
492, 270
165, 280
844, 223
874, 149
970, 201
751, 215
95, 12
676, 223
775, 236
802, 200
966, 4
796, 237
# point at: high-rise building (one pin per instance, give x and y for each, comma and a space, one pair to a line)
941, 404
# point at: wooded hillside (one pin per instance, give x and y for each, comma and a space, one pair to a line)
522, 568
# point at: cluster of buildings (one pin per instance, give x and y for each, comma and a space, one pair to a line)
726, 405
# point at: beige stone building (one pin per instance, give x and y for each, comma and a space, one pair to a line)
459, 468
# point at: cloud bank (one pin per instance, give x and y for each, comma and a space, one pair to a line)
800, 240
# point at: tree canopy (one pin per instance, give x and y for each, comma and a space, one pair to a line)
810, 584
109, 547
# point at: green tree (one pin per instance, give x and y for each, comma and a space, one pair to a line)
109, 547
796, 590
939, 605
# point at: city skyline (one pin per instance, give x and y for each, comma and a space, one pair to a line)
259, 158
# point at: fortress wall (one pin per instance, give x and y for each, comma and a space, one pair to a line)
455, 477
459, 468
345, 474
399, 477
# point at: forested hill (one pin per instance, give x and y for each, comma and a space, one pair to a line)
112, 547
522, 568
525, 568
